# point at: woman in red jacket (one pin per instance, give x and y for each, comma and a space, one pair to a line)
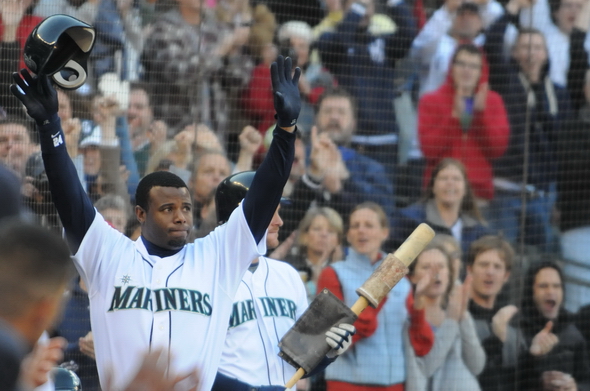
464, 120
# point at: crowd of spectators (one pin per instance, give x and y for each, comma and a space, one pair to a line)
500, 94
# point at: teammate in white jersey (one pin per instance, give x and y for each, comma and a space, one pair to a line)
271, 297
158, 292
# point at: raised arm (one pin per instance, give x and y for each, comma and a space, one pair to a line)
267, 186
73, 205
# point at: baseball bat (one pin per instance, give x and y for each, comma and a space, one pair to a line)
393, 268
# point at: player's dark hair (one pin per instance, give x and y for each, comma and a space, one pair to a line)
34, 264
157, 178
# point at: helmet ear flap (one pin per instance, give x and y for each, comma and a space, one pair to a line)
71, 76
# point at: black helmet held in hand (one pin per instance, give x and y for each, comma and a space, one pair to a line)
59, 47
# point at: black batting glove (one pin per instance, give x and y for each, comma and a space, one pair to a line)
37, 94
285, 91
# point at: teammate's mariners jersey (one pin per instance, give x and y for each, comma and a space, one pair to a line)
266, 306
181, 303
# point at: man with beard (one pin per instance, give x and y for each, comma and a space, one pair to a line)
337, 175
556, 357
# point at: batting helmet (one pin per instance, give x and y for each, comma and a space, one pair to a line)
65, 380
230, 193
59, 47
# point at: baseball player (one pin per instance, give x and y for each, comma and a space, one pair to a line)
158, 292
271, 297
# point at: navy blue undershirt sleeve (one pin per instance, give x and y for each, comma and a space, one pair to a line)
266, 189
71, 201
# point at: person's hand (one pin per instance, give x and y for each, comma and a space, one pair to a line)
86, 344
72, 129
206, 139
157, 133
318, 158
479, 103
420, 290
302, 385
501, 319
340, 338
287, 100
514, 6
336, 171
37, 94
459, 299
107, 108
304, 86
186, 138
37, 364
152, 376
558, 381
544, 341
458, 104
250, 140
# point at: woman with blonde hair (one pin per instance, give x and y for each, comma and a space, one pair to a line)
319, 243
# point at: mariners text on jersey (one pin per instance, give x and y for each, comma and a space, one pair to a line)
243, 311
165, 299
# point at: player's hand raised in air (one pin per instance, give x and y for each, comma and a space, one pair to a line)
37, 94
285, 91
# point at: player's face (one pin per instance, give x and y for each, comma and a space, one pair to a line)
434, 263
169, 218
489, 274
366, 234
548, 292
335, 117
272, 237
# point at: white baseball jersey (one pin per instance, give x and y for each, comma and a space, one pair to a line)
266, 306
181, 303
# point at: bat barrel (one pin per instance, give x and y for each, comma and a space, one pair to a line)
395, 266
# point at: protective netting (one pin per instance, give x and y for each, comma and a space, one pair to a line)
470, 116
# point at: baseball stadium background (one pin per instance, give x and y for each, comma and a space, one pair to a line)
185, 86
